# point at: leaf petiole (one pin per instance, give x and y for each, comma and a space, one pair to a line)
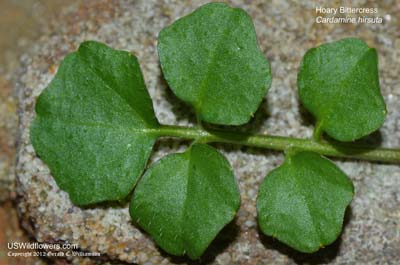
318, 132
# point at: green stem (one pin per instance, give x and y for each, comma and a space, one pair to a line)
317, 131
334, 149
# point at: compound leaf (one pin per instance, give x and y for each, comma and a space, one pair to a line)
94, 124
338, 83
185, 199
302, 202
212, 61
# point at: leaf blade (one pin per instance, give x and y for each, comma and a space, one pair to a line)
302, 202
211, 60
170, 203
338, 83
88, 145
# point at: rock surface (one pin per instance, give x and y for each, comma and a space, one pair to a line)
8, 129
285, 31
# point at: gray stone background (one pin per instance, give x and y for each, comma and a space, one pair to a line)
285, 30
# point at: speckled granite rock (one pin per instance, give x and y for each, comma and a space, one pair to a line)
285, 31
8, 129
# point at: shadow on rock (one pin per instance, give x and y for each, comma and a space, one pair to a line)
180, 109
306, 117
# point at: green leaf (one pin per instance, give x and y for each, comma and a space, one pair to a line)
185, 199
94, 125
338, 83
212, 61
302, 202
